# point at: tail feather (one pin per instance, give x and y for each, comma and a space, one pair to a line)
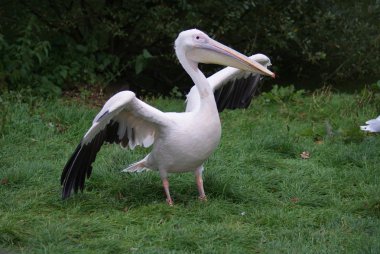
136, 167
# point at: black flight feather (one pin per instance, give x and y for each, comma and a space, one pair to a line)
79, 166
238, 93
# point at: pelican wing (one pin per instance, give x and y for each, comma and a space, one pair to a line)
237, 93
124, 120
233, 88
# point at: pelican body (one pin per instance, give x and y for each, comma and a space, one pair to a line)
181, 142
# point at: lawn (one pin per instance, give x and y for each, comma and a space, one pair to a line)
263, 197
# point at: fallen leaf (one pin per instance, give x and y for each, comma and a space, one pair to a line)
305, 155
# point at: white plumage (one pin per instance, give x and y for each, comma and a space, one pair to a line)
180, 142
373, 125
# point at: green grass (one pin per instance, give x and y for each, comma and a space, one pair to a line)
262, 197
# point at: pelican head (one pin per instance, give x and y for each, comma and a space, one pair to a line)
198, 47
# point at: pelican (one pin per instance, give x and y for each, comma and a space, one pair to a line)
373, 125
181, 142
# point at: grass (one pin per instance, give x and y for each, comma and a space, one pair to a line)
262, 196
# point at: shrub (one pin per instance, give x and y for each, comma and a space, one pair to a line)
51, 44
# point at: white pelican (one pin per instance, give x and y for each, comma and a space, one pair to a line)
373, 125
181, 142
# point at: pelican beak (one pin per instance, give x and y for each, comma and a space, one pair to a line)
214, 52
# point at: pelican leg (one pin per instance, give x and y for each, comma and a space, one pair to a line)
165, 183
199, 181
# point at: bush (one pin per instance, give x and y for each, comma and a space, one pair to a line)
51, 45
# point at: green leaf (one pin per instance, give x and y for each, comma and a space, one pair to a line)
140, 64
63, 73
142, 61
146, 54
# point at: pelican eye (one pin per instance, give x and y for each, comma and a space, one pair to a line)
200, 38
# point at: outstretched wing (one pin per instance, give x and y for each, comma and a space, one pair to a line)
124, 120
233, 88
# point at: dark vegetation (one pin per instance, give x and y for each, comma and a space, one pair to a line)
52, 45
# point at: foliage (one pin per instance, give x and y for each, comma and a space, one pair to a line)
51, 44
30, 62
283, 94
376, 86
262, 196
142, 61
23, 60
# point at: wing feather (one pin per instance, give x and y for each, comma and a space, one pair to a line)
238, 87
124, 120
237, 93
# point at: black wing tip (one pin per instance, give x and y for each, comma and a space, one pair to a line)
238, 93
75, 167
65, 196
79, 166
70, 162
